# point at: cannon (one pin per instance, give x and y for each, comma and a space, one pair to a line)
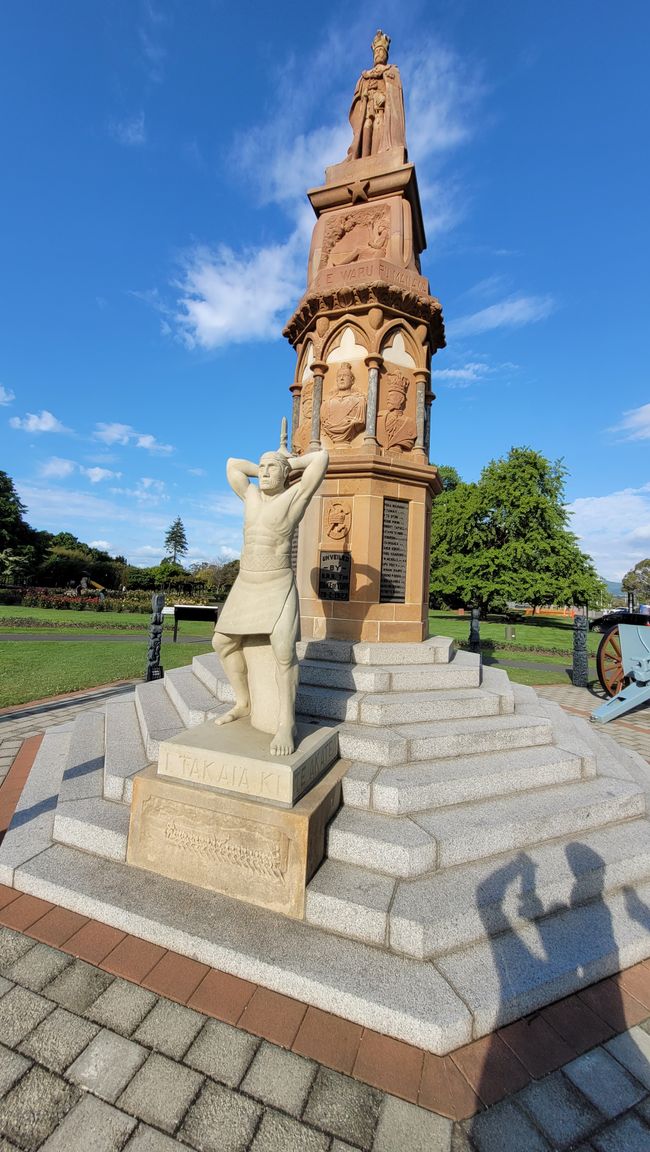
609, 661
634, 647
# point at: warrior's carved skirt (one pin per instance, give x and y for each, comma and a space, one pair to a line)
255, 602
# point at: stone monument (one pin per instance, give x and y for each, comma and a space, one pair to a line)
364, 334
225, 808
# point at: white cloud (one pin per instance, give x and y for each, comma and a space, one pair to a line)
97, 474
129, 131
470, 373
43, 422
513, 312
103, 544
614, 529
124, 434
146, 491
197, 472
635, 424
230, 298
442, 95
6, 395
57, 467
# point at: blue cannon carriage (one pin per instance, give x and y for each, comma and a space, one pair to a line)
623, 663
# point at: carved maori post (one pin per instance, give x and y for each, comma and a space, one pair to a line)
580, 668
474, 630
155, 671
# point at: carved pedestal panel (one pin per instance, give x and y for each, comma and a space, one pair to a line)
253, 851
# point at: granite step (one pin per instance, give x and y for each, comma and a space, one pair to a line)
393, 845
159, 719
94, 825
375, 678
434, 650
445, 738
193, 701
458, 780
388, 708
517, 973
125, 754
207, 668
456, 907
350, 900
474, 831
83, 772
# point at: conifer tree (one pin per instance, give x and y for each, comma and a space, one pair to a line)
176, 540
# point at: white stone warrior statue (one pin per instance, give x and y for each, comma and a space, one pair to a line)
264, 598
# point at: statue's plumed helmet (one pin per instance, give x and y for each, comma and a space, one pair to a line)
381, 40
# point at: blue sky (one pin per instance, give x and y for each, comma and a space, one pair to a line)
154, 234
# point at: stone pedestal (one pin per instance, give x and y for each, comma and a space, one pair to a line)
222, 813
247, 849
235, 758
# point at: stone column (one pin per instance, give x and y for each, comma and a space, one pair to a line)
296, 393
428, 400
373, 364
318, 371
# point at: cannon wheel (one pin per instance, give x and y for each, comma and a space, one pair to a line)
609, 663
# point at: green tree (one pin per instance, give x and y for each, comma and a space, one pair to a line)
176, 540
506, 538
637, 580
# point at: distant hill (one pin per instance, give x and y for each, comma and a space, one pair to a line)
614, 587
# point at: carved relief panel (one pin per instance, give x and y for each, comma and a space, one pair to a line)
358, 234
337, 523
343, 411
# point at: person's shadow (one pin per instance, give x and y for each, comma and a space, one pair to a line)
537, 950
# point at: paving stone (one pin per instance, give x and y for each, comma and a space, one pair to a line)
6, 1146
38, 967
170, 1028
107, 1065
643, 1108
78, 986
632, 1050
59, 1039
629, 1134
91, 1124
222, 1052
402, 1125
20, 1011
279, 1078
161, 1092
122, 1006
343, 1107
559, 1110
504, 1128
278, 1133
12, 1067
13, 945
220, 1120
5, 985
603, 1081
34, 1108
146, 1139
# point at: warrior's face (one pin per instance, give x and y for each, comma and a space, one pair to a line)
395, 400
380, 54
272, 473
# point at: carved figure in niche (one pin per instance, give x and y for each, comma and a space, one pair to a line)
303, 433
397, 432
343, 415
338, 520
356, 236
264, 598
377, 112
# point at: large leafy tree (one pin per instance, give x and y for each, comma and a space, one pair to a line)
506, 538
176, 540
637, 580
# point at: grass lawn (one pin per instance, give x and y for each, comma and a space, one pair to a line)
64, 620
30, 671
539, 633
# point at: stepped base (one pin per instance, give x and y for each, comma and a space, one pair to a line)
256, 852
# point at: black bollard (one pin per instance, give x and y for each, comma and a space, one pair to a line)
474, 630
580, 669
154, 669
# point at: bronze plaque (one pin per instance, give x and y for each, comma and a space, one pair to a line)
392, 585
334, 576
